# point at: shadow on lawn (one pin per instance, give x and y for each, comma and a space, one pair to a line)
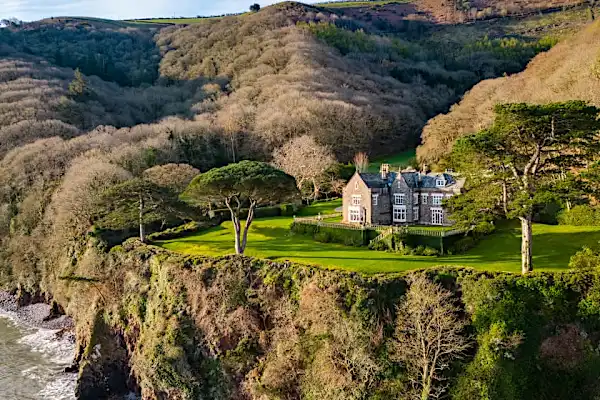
500, 251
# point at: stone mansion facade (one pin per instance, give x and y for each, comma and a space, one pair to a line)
407, 197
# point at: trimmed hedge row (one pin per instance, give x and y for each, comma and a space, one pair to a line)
283, 210
348, 237
584, 215
183, 230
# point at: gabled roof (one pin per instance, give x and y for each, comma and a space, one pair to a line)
373, 180
414, 179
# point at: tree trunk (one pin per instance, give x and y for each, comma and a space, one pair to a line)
141, 220
505, 198
316, 189
235, 219
236, 227
249, 220
526, 244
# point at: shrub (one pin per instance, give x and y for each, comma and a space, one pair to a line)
323, 237
463, 245
288, 210
583, 215
379, 245
348, 237
181, 231
430, 252
585, 258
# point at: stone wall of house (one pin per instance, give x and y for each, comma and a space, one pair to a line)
382, 212
356, 186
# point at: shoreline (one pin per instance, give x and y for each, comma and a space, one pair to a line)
36, 315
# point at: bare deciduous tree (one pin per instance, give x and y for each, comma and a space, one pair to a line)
304, 159
361, 161
429, 336
173, 176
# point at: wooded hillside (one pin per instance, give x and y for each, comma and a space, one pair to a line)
570, 71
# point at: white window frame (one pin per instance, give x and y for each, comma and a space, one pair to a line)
356, 199
399, 199
415, 213
437, 199
400, 216
355, 214
375, 199
440, 182
415, 198
437, 216
424, 197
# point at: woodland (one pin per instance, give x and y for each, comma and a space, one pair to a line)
96, 116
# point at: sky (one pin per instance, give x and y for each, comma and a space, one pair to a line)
30, 10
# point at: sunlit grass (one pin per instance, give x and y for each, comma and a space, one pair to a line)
271, 238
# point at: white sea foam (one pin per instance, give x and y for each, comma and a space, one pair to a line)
61, 387
57, 350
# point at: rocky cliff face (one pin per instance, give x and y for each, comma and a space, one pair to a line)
168, 326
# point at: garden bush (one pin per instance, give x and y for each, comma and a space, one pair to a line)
585, 258
463, 245
348, 237
582, 215
180, 231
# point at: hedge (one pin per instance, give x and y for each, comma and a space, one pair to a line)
583, 215
285, 210
348, 237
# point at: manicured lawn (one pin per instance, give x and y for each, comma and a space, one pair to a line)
271, 238
395, 161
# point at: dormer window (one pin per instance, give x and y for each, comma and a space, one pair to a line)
440, 182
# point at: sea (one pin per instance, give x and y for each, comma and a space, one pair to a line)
32, 363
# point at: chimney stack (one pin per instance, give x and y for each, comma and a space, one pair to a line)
385, 170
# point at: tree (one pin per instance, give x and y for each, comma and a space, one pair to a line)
305, 160
245, 184
361, 162
78, 85
255, 7
138, 202
173, 176
429, 336
526, 148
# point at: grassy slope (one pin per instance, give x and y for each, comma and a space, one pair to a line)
395, 161
270, 238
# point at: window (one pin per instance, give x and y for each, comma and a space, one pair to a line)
356, 199
354, 214
415, 213
399, 214
424, 197
436, 199
375, 198
399, 199
356, 185
415, 198
440, 182
437, 216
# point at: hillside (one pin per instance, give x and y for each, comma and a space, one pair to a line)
89, 105
569, 71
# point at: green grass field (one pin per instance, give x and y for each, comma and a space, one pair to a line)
395, 161
271, 238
